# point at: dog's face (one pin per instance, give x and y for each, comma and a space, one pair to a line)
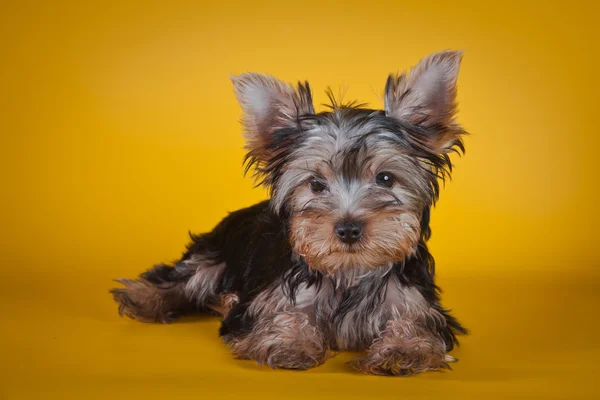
354, 182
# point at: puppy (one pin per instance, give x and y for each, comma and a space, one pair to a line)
337, 258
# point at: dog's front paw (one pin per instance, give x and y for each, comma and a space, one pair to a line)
400, 362
285, 341
405, 350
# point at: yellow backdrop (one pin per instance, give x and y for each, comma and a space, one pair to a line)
120, 132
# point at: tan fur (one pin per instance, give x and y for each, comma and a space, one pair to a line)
360, 326
387, 237
404, 348
164, 302
285, 334
228, 301
148, 302
283, 340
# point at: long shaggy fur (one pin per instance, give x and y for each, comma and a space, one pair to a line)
337, 258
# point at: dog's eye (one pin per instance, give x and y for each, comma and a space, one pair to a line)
385, 179
316, 186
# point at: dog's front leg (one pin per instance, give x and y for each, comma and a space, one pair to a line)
283, 340
284, 332
405, 347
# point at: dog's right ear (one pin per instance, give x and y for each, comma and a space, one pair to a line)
269, 104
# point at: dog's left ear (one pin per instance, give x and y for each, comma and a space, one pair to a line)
427, 97
268, 105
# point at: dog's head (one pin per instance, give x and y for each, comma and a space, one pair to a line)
354, 182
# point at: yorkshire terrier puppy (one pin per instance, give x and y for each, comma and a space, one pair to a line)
337, 258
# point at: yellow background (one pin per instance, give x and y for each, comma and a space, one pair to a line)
120, 132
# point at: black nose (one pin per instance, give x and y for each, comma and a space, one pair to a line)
348, 231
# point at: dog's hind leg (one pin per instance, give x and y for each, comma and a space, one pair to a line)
200, 281
165, 292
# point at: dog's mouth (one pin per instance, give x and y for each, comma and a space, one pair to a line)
351, 249
343, 248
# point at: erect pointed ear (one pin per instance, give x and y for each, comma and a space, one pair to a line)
268, 104
427, 97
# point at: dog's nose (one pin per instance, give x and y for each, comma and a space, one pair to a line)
349, 231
